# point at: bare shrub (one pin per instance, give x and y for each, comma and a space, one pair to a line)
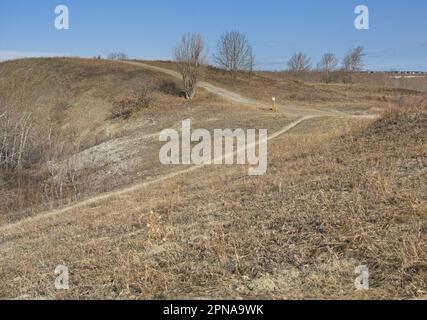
234, 53
299, 64
251, 64
141, 97
59, 178
327, 65
14, 139
61, 182
117, 56
188, 55
352, 62
170, 88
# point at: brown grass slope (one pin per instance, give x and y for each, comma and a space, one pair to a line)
76, 148
263, 86
417, 82
70, 103
74, 96
331, 200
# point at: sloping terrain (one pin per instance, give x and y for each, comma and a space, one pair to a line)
329, 202
262, 86
76, 148
69, 103
341, 191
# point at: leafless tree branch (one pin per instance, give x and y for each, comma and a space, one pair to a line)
353, 62
188, 55
299, 63
327, 65
234, 53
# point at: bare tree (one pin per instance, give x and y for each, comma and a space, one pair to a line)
188, 55
234, 53
117, 56
251, 63
353, 62
327, 65
299, 63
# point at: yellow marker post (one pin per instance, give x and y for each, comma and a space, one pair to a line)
274, 104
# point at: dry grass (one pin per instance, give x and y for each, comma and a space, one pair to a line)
263, 86
70, 103
339, 192
82, 149
331, 200
411, 82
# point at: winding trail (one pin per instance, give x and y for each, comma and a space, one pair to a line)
224, 93
304, 114
135, 187
235, 97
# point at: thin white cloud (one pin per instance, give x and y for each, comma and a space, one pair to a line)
274, 64
12, 55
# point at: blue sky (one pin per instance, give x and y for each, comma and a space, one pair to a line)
397, 38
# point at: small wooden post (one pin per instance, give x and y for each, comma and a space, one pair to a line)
274, 104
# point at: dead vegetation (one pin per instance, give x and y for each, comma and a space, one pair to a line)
188, 56
332, 199
141, 97
339, 192
78, 127
14, 136
52, 109
234, 54
305, 91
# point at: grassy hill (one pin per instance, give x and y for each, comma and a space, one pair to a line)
341, 191
264, 85
76, 146
328, 203
69, 103
75, 96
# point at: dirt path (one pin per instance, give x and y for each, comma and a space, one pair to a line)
205, 85
305, 114
135, 187
235, 97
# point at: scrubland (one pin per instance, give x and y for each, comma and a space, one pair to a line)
341, 190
